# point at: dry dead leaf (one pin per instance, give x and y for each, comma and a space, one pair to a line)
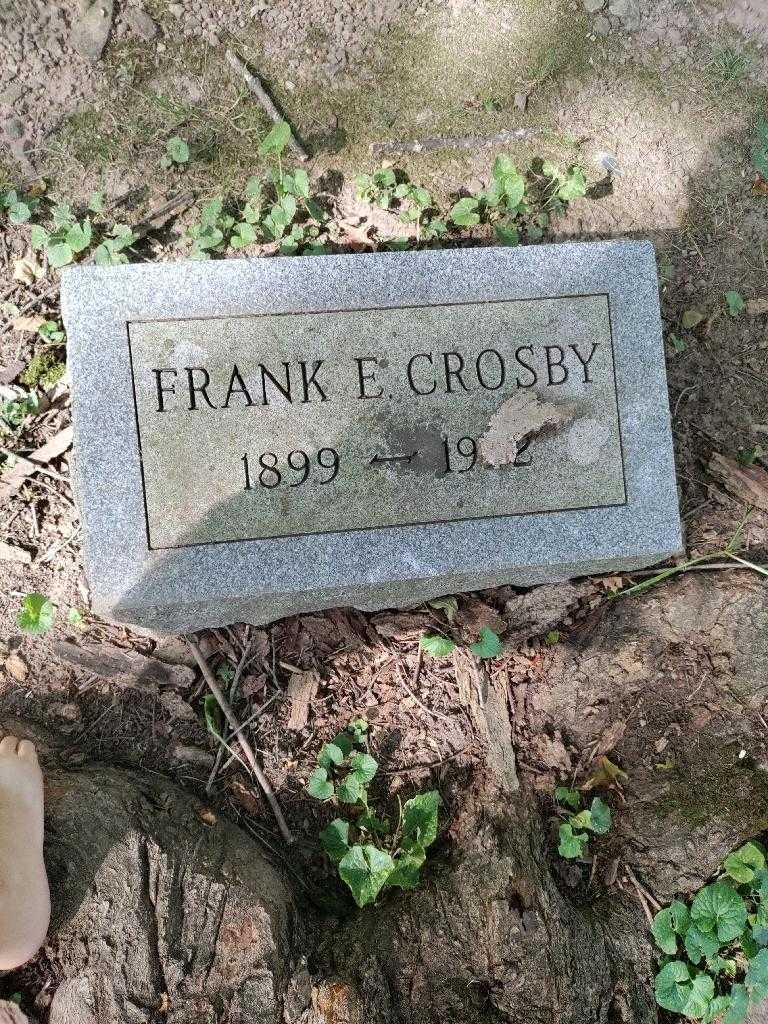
23, 468
519, 417
608, 774
16, 667
207, 816
27, 323
756, 307
610, 738
750, 483
11, 1014
9, 553
27, 270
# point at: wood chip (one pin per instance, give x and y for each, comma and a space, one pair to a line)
9, 553
301, 691
111, 662
749, 483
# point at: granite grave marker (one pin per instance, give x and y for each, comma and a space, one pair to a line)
261, 437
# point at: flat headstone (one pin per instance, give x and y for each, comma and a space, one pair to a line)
256, 438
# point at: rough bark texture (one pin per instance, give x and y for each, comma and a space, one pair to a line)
158, 917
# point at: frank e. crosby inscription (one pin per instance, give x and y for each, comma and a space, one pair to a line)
262, 437
357, 419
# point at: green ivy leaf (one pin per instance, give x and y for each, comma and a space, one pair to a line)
407, 870
569, 797
36, 614
276, 139
663, 932
437, 646
574, 186
245, 234
96, 202
449, 605
756, 978
177, 149
572, 844
344, 742
420, 818
739, 1005
60, 254
318, 786
743, 864
716, 1009
601, 816
78, 237
329, 755
19, 213
507, 234
38, 237
371, 821
350, 790
464, 212
717, 908
365, 870
364, 767
488, 646
700, 945
691, 318
335, 840
682, 992
680, 916
736, 304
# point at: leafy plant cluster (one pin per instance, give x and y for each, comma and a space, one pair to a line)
714, 952
512, 207
17, 207
413, 203
573, 834
276, 209
369, 853
14, 411
71, 236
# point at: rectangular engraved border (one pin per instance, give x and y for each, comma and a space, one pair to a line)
379, 526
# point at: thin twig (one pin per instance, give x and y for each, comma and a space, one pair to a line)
640, 895
455, 142
229, 714
261, 94
429, 711
249, 721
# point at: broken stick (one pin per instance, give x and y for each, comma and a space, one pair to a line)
261, 94
245, 746
455, 142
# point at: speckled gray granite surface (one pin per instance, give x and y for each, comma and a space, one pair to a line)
234, 420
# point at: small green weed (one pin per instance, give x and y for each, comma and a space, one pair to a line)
729, 65
512, 208
573, 838
369, 854
714, 951
488, 644
176, 153
36, 614
735, 304
70, 236
279, 209
18, 208
760, 148
13, 412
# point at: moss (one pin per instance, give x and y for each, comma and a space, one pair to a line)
44, 370
719, 787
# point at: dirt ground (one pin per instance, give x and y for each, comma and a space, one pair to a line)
658, 100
